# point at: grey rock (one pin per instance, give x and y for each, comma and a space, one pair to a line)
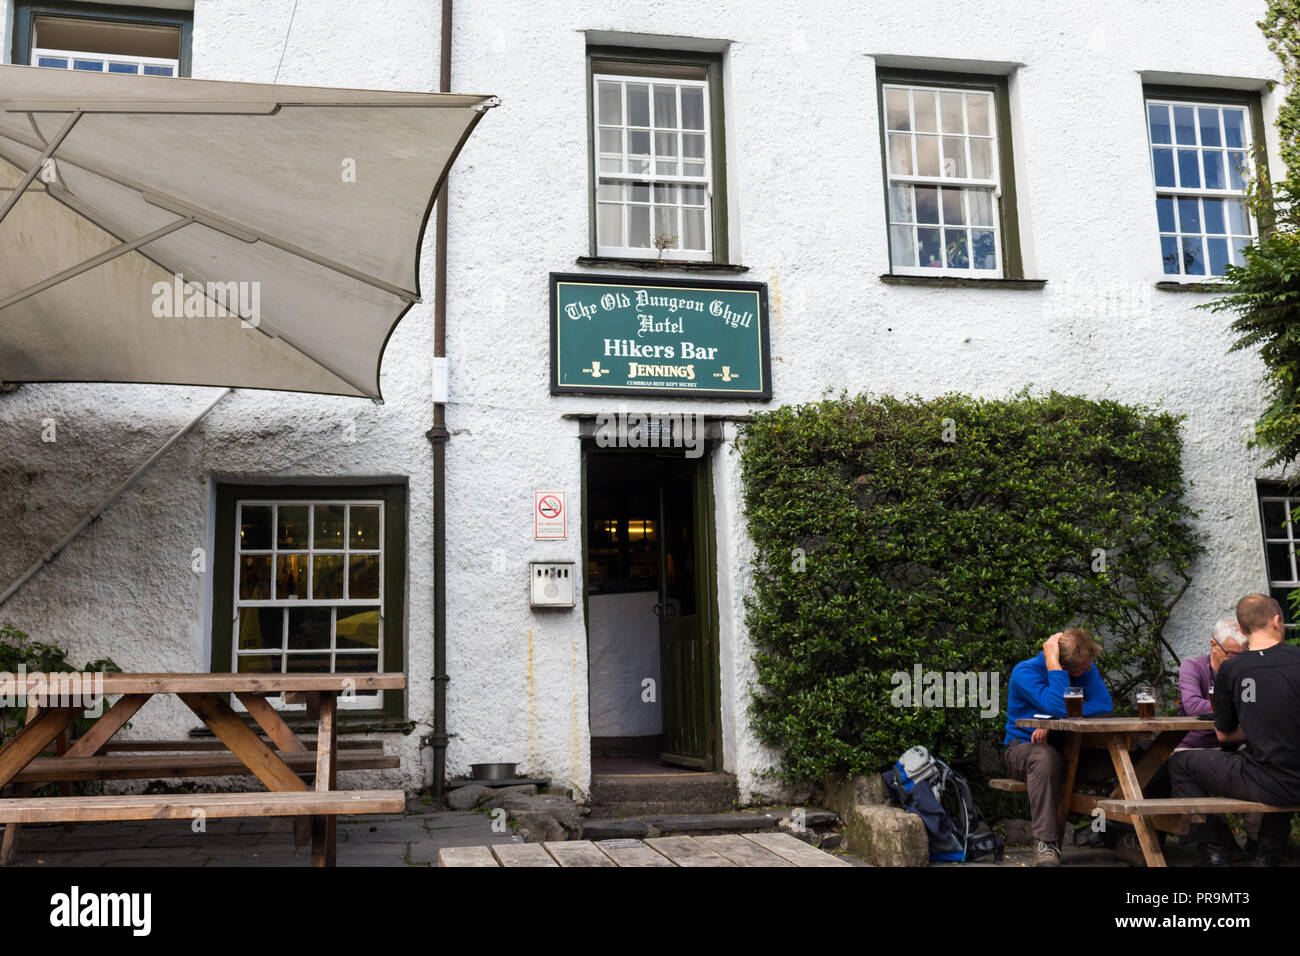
499, 795
888, 836
564, 812
539, 827
465, 798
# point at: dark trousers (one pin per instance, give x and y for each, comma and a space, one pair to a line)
1042, 767
1221, 773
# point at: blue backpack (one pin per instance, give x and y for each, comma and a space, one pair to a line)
925, 785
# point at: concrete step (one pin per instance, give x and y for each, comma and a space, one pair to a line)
698, 824
639, 795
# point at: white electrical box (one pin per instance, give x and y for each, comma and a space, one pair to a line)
552, 583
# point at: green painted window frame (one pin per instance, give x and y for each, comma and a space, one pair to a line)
1254, 102
25, 15
650, 60
394, 497
1008, 214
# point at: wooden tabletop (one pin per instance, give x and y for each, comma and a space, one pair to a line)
54, 684
1122, 725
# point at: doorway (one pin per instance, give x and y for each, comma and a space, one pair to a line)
652, 658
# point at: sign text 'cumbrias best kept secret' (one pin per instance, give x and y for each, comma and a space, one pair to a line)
659, 336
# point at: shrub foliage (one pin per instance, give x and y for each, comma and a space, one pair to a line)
959, 534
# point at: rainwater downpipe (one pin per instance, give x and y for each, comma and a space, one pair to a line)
104, 505
438, 435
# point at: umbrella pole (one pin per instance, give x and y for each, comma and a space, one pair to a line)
36, 166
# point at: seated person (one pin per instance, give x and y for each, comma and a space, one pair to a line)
1196, 676
1038, 686
1257, 700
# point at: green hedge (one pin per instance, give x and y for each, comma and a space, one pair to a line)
955, 533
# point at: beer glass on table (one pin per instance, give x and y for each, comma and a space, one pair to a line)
1074, 702
1146, 702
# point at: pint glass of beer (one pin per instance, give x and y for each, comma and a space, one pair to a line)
1146, 702
1211, 698
1074, 702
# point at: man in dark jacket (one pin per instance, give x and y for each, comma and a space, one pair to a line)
1257, 700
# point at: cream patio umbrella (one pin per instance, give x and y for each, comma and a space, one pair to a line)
210, 233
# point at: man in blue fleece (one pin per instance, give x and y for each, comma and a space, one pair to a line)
1038, 686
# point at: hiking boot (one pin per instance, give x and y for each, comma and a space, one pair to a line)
1207, 854
1047, 854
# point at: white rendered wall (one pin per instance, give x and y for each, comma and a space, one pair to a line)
806, 198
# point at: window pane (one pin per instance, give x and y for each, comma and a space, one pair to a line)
356, 663
1169, 254
897, 114
900, 154
954, 241
52, 61
1189, 170
981, 207
1184, 127
923, 104
1163, 160
94, 66
306, 663
1165, 213
611, 103
1279, 562
900, 204
327, 577
902, 251
950, 113
666, 232
255, 527
666, 144
1213, 168
150, 70
665, 193
1209, 119
984, 249
292, 532
693, 236
977, 113
259, 664
1189, 215
609, 224
1193, 257
692, 107
611, 141
666, 107
930, 252
1234, 127
638, 227
1218, 250
611, 165
255, 577
291, 577
608, 191
309, 627
694, 196
638, 143
1274, 521
365, 527
357, 628
1160, 129
927, 155
1236, 170
1238, 256
954, 157
693, 145
1213, 209
328, 526
260, 628
927, 204
1237, 217
981, 159
638, 104
363, 576
132, 68
953, 214
639, 192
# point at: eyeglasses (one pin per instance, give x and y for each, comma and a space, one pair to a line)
1226, 652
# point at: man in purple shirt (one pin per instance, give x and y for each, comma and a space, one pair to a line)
1196, 677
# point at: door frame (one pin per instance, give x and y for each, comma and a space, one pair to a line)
706, 525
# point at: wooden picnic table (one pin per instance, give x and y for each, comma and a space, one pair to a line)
63, 699
1117, 735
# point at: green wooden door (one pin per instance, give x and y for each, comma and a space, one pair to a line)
685, 645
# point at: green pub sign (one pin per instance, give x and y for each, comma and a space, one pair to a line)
659, 336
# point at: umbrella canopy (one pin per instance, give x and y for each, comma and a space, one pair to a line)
209, 233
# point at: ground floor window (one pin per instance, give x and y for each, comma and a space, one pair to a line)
1279, 516
310, 579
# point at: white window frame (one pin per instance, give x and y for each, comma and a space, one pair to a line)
1176, 192
358, 701
1292, 539
652, 178
994, 184
107, 58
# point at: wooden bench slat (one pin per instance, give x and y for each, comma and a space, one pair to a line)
211, 743
1166, 805
1008, 785
794, 850
150, 766
114, 684
214, 805
466, 856
522, 854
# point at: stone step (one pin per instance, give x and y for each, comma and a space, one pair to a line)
698, 824
639, 795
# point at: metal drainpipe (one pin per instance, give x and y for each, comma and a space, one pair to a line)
438, 435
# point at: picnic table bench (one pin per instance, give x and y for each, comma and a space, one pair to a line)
279, 762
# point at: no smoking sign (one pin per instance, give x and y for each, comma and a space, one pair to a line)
549, 520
